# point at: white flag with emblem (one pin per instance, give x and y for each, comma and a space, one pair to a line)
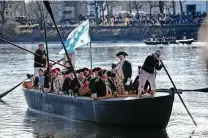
78, 37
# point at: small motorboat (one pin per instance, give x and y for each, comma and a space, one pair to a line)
151, 41
185, 41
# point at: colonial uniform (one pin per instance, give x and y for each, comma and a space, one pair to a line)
67, 81
56, 83
148, 71
101, 86
123, 73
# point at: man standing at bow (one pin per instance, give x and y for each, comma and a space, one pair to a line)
40, 59
152, 63
123, 72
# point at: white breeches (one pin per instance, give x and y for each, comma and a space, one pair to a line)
143, 77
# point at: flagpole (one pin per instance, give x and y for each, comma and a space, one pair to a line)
90, 54
90, 47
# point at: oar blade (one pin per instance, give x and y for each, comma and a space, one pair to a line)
7, 92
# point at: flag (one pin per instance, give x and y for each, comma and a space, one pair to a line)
78, 37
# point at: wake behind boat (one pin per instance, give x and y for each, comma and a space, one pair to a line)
126, 110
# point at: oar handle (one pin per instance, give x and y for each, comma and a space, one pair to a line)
28, 50
178, 92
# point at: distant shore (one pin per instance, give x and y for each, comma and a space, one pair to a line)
109, 33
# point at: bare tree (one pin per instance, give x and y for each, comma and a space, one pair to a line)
16, 5
138, 5
4, 18
2, 11
173, 6
95, 4
161, 6
37, 10
110, 5
151, 5
181, 7
102, 5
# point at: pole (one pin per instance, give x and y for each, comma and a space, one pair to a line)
90, 55
178, 93
46, 42
48, 7
6, 41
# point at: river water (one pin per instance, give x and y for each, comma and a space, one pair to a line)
184, 63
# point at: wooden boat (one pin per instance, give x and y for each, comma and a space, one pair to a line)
185, 41
144, 112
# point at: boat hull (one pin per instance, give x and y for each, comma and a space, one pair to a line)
186, 41
127, 111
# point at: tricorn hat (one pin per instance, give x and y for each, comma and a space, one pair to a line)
80, 70
67, 71
85, 69
96, 69
102, 72
121, 53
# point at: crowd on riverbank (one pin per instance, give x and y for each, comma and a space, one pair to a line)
154, 19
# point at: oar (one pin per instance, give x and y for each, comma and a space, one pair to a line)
199, 90
167, 90
7, 92
178, 93
48, 7
28, 50
181, 90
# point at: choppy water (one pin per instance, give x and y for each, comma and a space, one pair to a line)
184, 63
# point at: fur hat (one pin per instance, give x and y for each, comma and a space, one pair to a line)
157, 53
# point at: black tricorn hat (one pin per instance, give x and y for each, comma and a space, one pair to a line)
121, 53
80, 70
96, 69
102, 72
85, 69
67, 71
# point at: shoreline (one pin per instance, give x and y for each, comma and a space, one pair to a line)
108, 33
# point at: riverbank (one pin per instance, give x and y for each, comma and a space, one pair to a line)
109, 33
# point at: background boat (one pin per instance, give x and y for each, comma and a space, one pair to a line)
185, 41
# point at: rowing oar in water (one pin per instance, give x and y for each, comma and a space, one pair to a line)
181, 90
28, 51
7, 92
178, 92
